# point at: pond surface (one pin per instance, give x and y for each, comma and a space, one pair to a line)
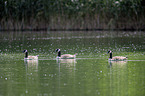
90, 74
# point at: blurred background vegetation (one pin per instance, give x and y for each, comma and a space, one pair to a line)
72, 14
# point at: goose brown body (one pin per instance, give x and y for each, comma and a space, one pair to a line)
119, 58
67, 56
32, 58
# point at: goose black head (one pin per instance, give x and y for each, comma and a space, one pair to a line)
24, 51
109, 51
57, 50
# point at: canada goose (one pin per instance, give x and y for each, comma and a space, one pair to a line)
29, 57
65, 56
116, 58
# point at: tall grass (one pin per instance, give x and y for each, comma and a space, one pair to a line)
72, 14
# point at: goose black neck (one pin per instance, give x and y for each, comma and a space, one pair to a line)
110, 55
59, 54
26, 55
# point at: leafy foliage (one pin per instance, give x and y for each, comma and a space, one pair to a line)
19, 10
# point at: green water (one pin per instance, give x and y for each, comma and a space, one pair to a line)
90, 74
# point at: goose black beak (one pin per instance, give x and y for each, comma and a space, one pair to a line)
24, 51
56, 50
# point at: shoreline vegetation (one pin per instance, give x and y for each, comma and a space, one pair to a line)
72, 15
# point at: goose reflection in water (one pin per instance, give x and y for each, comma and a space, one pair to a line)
117, 63
33, 64
68, 63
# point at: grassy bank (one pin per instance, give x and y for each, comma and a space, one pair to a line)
72, 15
